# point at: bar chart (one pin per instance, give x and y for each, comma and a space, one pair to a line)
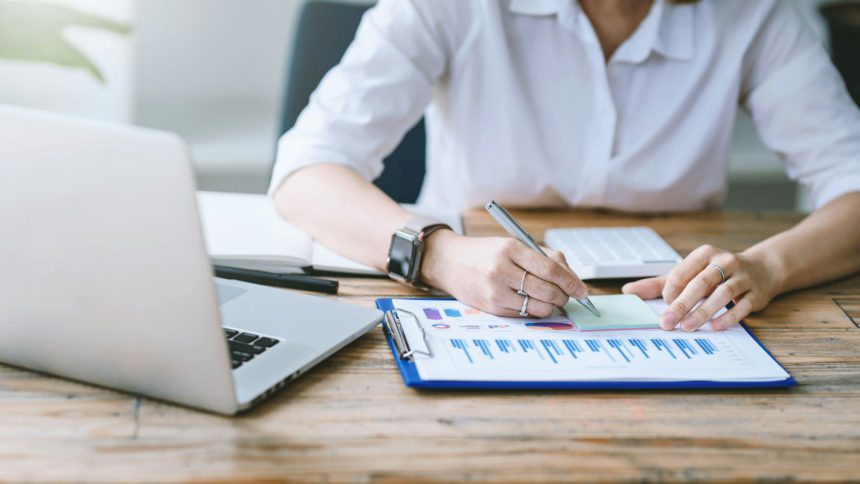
577, 351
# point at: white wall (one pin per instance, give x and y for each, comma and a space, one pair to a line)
74, 90
213, 71
212, 48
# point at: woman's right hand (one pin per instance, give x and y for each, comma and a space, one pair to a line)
485, 273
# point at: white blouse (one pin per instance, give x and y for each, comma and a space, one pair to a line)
521, 106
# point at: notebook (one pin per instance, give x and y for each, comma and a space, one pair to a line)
244, 230
441, 343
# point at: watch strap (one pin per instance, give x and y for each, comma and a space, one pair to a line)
424, 226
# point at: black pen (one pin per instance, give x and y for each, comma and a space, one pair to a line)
289, 281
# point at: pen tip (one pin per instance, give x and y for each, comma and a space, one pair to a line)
590, 306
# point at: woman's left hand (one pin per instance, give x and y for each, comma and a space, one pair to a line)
749, 282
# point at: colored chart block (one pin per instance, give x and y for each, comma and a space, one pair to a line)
432, 313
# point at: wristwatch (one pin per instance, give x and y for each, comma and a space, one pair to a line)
407, 249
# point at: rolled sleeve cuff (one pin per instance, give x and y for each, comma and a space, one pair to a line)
298, 151
835, 188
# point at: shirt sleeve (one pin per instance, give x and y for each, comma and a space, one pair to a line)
801, 107
365, 105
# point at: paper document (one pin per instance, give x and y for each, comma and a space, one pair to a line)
469, 345
617, 311
242, 231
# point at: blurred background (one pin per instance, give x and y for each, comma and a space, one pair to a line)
216, 71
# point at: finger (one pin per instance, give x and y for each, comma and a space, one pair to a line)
733, 316
504, 312
544, 291
557, 256
650, 288
679, 277
549, 270
722, 295
503, 284
701, 285
533, 286
535, 308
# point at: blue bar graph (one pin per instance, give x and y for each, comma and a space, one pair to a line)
685, 347
557, 351
528, 346
573, 347
662, 344
461, 345
690, 347
614, 343
505, 345
484, 347
706, 346
605, 351
452, 313
551, 348
640, 345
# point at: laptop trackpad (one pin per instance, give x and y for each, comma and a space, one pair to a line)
228, 293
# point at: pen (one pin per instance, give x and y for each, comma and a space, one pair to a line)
289, 281
518, 232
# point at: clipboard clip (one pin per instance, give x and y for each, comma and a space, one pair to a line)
393, 324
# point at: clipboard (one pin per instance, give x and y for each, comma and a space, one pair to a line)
403, 351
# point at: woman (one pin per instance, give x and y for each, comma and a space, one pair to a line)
624, 104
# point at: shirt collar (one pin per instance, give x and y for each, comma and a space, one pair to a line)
538, 7
675, 39
667, 29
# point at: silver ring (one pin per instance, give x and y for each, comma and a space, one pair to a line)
722, 272
524, 310
522, 291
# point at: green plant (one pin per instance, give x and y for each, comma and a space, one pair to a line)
33, 31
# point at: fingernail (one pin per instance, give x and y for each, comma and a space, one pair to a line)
688, 325
716, 326
670, 317
668, 322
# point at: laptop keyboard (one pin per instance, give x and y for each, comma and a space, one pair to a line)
244, 347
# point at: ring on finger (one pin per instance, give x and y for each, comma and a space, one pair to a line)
524, 311
721, 271
522, 291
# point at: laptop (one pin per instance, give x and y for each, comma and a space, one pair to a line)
105, 277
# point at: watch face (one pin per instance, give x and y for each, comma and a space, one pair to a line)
400, 256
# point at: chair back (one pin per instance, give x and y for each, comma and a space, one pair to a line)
325, 30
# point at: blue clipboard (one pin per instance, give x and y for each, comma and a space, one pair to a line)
412, 379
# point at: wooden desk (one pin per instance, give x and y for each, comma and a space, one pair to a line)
352, 419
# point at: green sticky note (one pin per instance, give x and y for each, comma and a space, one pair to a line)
617, 311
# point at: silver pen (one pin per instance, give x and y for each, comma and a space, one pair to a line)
518, 232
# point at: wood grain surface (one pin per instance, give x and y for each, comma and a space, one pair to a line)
351, 418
